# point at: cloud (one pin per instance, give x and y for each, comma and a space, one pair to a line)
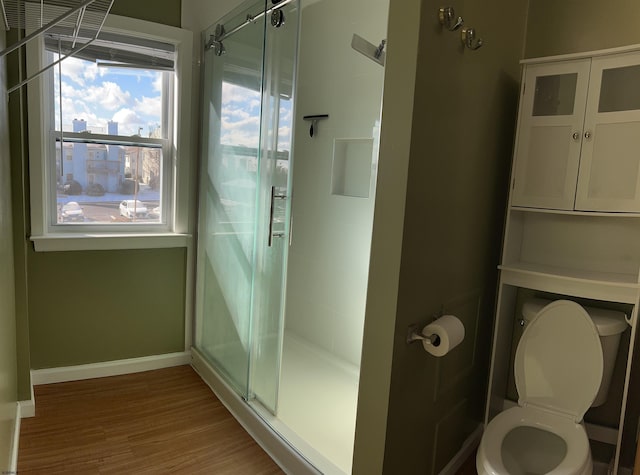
108, 94
79, 71
91, 71
252, 122
157, 83
74, 69
240, 138
235, 113
285, 113
151, 106
232, 93
98, 95
244, 131
128, 121
76, 109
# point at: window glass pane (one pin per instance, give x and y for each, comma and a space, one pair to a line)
555, 95
106, 183
108, 100
619, 89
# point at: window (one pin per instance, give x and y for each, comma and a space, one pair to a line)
117, 111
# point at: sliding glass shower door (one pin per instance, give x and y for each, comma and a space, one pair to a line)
245, 199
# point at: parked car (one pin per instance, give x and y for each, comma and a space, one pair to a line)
71, 212
71, 187
133, 209
94, 189
155, 212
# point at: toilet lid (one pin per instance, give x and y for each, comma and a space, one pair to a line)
558, 363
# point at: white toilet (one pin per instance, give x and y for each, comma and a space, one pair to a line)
558, 370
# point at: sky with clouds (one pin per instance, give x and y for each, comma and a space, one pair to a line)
133, 98
241, 118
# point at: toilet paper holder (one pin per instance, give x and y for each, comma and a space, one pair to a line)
415, 334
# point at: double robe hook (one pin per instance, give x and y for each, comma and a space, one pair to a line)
468, 37
448, 19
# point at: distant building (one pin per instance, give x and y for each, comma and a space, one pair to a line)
91, 163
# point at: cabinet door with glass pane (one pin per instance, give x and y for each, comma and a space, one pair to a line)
549, 134
609, 178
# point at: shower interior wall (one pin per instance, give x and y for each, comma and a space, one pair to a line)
334, 175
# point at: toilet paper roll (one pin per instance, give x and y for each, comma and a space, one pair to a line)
449, 333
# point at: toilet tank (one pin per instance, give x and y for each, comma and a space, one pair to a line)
610, 324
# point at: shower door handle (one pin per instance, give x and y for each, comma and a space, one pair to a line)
274, 197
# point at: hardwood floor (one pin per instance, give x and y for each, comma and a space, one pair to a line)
164, 421
469, 467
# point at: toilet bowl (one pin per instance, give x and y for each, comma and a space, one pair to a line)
558, 369
526, 440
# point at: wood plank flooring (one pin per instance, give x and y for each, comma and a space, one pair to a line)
469, 467
164, 421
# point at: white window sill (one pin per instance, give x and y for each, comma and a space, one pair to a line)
103, 241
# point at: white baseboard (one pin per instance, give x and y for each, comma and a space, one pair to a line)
28, 407
464, 453
290, 461
109, 368
15, 442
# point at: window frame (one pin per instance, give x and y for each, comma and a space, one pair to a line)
46, 233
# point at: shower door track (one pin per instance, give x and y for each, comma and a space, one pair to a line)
213, 39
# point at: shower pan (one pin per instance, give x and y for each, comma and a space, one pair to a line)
282, 281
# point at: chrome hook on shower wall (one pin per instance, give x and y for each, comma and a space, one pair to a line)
368, 49
468, 38
447, 18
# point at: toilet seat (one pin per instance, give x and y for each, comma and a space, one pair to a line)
577, 459
558, 370
558, 363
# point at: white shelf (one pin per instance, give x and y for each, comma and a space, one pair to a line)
575, 213
606, 286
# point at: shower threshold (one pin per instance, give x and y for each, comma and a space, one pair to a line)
313, 432
288, 458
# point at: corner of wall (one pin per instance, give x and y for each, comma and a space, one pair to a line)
386, 247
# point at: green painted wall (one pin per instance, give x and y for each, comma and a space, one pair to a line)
157, 11
18, 132
571, 26
462, 129
84, 307
8, 368
94, 306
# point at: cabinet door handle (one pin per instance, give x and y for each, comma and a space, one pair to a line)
587, 134
576, 136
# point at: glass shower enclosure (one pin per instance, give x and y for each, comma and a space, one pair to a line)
245, 203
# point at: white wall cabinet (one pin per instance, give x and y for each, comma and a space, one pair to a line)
579, 135
573, 223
